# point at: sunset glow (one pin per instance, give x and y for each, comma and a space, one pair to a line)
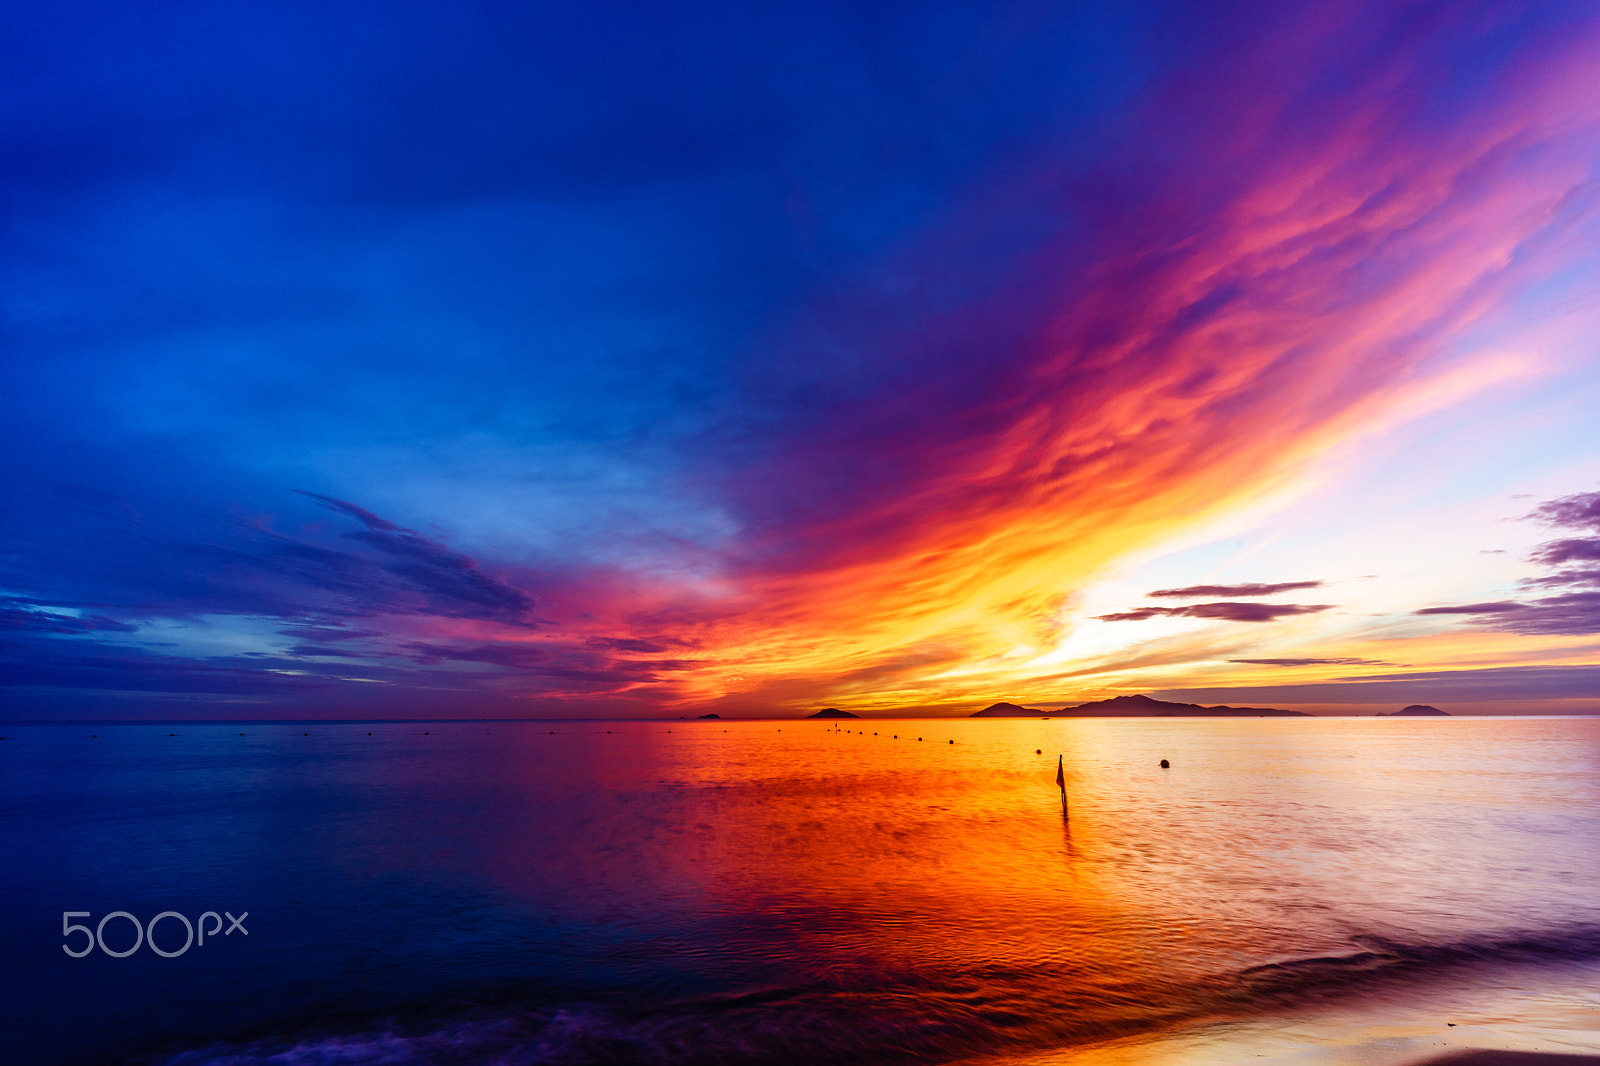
810, 384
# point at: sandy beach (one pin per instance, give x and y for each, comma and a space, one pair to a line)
1508, 1058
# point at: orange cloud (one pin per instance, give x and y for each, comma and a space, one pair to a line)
1256, 303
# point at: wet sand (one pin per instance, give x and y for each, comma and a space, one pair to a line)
1508, 1058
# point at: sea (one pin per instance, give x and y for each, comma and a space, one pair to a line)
1323, 891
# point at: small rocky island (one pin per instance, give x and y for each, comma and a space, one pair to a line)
1008, 710
1415, 709
1137, 707
832, 712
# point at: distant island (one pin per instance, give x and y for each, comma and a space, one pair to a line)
1008, 710
1414, 709
711, 716
1139, 707
832, 712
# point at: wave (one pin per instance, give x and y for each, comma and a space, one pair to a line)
914, 1022
1384, 959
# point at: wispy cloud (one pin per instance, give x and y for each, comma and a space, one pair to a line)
42, 621
449, 583
1574, 612
1225, 611
1497, 607
1312, 662
1510, 683
1249, 589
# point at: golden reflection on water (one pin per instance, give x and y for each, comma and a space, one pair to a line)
855, 854
1316, 891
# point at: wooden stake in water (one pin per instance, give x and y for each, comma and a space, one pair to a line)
1061, 783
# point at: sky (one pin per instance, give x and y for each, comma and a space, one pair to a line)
427, 359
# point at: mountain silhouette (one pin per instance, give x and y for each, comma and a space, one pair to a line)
1007, 710
1137, 707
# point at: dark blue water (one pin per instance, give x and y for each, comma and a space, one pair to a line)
765, 892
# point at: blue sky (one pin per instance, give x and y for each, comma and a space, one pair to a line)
632, 359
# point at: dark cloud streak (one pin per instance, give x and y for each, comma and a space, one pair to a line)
1312, 662
1431, 686
1225, 611
1497, 607
43, 622
451, 581
1248, 589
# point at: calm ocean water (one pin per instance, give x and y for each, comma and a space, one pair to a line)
780, 892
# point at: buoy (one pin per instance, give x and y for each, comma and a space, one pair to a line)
952, 742
1038, 751
1165, 765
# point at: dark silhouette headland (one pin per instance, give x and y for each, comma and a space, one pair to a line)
1008, 710
1414, 709
833, 712
711, 716
1136, 707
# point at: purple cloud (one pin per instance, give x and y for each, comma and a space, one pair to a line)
1563, 579
1573, 549
328, 632
1571, 613
514, 655
42, 662
1225, 611
45, 622
1498, 607
1581, 510
646, 645
1248, 589
568, 664
451, 582
1431, 686
1313, 662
